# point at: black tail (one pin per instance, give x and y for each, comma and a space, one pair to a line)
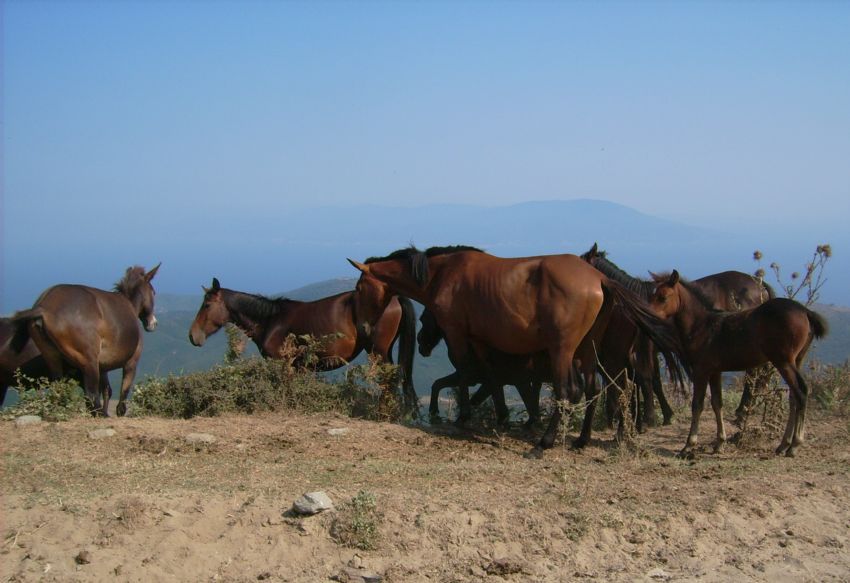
820, 328
20, 325
662, 334
406, 349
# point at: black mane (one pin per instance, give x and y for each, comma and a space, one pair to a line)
254, 306
641, 287
419, 259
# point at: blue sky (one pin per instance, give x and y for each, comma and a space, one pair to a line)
148, 121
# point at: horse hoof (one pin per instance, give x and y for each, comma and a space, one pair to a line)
121, 409
790, 452
718, 447
782, 449
686, 454
578, 444
534, 453
668, 421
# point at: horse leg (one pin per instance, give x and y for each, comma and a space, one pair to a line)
697, 403
798, 392
717, 407
658, 389
451, 380
129, 374
590, 394
106, 393
562, 361
530, 393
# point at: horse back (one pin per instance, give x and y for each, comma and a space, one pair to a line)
733, 290
92, 321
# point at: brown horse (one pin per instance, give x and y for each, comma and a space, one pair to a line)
268, 322
779, 332
554, 303
523, 372
91, 330
728, 290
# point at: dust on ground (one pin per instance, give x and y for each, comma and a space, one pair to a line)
145, 505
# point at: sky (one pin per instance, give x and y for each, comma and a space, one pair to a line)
132, 123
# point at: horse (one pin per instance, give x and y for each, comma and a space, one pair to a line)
523, 372
553, 303
91, 330
778, 332
269, 321
728, 290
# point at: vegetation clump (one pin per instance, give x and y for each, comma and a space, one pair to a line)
57, 400
356, 522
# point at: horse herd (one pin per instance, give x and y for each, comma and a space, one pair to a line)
560, 319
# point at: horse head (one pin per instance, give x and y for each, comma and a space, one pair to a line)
665, 300
136, 287
211, 316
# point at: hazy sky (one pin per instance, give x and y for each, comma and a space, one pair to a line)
165, 117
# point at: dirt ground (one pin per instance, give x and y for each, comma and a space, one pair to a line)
143, 505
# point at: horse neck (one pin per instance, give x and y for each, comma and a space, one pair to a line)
251, 313
692, 318
395, 274
135, 299
643, 288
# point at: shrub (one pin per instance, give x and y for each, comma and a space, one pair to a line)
356, 522
246, 386
58, 400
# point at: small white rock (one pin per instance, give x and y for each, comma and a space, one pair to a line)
312, 503
27, 420
659, 574
337, 431
194, 438
101, 433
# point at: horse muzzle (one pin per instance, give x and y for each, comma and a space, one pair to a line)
197, 340
150, 324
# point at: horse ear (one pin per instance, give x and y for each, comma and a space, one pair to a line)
594, 250
149, 275
215, 285
359, 266
674, 278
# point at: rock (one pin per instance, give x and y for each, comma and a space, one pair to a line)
83, 558
503, 567
352, 575
659, 574
196, 438
312, 503
337, 431
27, 420
101, 433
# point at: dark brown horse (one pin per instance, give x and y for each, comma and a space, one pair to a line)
28, 361
728, 290
91, 330
268, 322
523, 372
555, 303
778, 332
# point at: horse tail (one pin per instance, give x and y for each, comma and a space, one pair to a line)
661, 333
820, 327
406, 349
21, 328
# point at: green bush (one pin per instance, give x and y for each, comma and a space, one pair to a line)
356, 522
51, 400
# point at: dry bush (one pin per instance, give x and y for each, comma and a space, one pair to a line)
58, 400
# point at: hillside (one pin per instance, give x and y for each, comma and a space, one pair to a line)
145, 505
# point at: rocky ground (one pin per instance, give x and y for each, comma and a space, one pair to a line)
430, 504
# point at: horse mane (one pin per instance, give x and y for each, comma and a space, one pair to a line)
638, 286
133, 277
419, 259
695, 291
255, 306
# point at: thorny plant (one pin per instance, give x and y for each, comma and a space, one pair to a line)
766, 410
